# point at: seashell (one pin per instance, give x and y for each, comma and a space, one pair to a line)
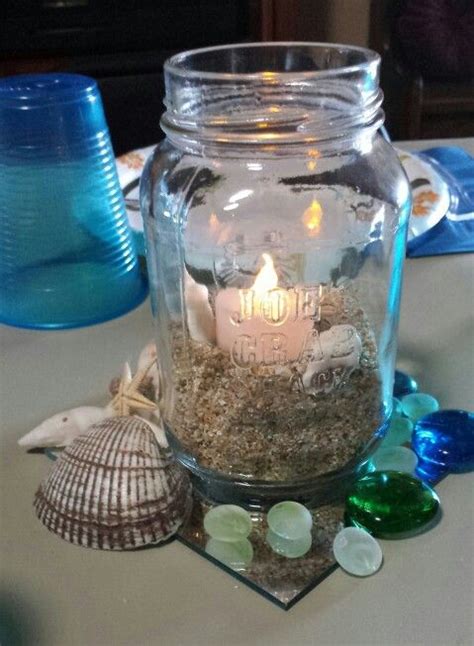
200, 318
158, 432
149, 385
147, 362
115, 488
339, 347
61, 429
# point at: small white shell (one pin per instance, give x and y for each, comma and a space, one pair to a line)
158, 432
147, 361
115, 488
61, 429
339, 347
200, 318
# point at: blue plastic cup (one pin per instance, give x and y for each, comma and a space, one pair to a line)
67, 256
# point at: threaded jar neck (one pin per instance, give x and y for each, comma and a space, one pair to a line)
271, 94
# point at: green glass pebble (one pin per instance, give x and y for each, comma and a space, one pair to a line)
388, 504
237, 555
416, 405
289, 519
290, 549
357, 551
228, 523
394, 458
399, 432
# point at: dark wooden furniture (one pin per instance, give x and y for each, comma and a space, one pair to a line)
417, 107
121, 43
292, 20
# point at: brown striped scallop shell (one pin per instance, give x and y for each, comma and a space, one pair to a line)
114, 488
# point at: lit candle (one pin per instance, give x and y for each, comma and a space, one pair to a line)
264, 324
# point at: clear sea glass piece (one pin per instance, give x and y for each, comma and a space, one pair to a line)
291, 549
357, 552
228, 523
289, 519
399, 432
394, 458
397, 406
237, 555
416, 405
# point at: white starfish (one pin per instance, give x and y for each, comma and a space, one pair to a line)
129, 399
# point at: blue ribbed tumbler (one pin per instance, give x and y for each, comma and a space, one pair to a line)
66, 253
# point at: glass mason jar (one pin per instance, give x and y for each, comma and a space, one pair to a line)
276, 219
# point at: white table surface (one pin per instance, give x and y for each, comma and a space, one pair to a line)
64, 595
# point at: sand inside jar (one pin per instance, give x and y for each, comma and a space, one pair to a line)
261, 422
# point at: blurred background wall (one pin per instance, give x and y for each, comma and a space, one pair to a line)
123, 44
339, 21
348, 21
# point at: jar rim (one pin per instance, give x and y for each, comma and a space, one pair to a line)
178, 64
271, 93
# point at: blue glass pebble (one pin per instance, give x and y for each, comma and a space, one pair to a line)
430, 473
417, 405
444, 441
404, 384
399, 432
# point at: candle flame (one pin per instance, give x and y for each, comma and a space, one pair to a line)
267, 278
312, 218
214, 223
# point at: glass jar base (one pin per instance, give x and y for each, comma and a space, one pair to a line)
259, 495
253, 493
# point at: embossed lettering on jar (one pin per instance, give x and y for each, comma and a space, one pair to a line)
276, 222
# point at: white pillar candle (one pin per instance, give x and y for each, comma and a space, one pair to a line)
264, 324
